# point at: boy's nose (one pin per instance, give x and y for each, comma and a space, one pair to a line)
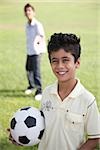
60, 64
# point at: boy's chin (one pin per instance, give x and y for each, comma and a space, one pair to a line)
62, 80
29, 18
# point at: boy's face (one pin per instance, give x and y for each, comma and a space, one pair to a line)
63, 65
29, 13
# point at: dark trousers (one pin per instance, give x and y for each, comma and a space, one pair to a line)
33, 71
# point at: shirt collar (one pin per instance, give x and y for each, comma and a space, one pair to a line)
75, 92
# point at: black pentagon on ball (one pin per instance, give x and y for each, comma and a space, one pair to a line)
13, 123
41, 134
26, 108
30, 122
23, 140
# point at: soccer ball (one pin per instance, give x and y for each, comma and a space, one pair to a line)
27, 126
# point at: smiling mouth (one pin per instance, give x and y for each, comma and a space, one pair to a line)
62, 72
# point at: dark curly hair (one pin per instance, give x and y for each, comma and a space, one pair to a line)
69, 42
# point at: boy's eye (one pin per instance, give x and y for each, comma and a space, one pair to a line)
65, 60
54, 61
57, 61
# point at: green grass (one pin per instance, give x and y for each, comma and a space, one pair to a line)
80, 17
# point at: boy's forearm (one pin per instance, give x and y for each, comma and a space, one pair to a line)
90, 144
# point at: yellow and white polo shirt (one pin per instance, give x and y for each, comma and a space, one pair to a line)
68, 121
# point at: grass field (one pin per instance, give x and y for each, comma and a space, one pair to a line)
80, 17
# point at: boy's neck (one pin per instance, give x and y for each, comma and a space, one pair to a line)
30, 20
65, 88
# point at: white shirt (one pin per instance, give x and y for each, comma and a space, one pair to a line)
67, 121
35, 38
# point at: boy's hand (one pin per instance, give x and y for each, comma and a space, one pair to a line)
11, 138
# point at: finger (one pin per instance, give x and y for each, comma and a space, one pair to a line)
14, 142
8, 129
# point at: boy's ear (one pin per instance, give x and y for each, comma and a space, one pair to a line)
78, 63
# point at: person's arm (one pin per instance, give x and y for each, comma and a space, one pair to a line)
90, 144
41, 35
92, 127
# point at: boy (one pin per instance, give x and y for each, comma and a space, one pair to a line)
35, 46
70, 110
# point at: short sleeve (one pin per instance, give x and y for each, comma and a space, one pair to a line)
93, 121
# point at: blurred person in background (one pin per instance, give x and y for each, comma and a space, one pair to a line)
35, 40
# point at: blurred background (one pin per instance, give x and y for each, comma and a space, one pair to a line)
81, 17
